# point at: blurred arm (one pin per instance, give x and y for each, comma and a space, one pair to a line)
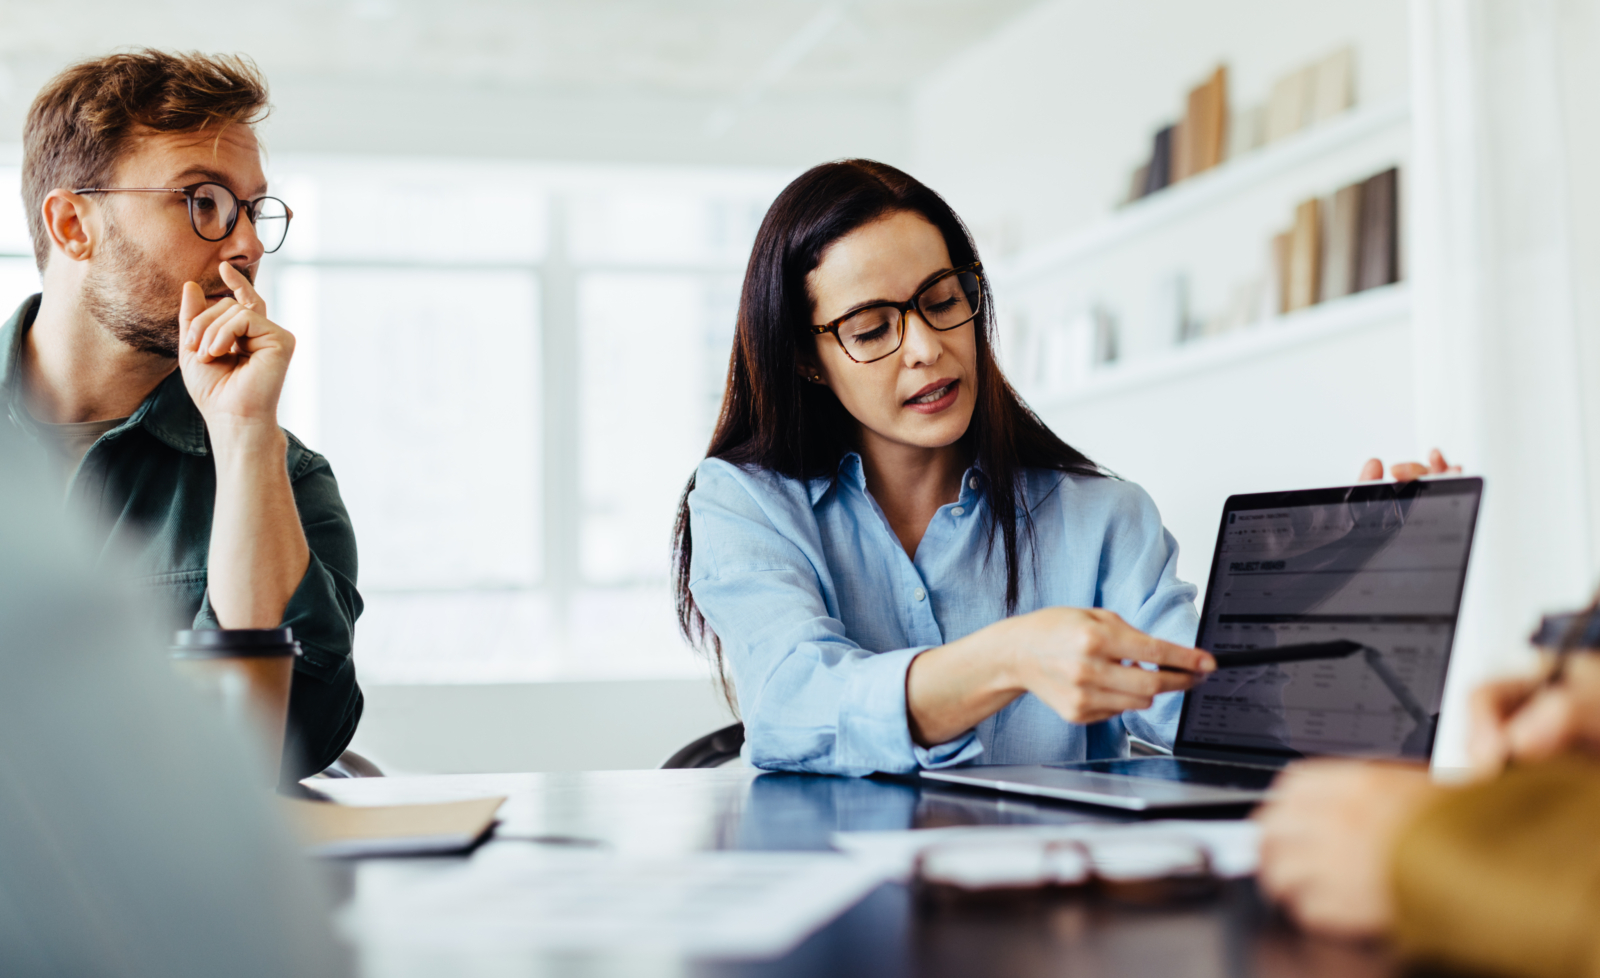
1504, 876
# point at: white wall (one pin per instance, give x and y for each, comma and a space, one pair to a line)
1305, 413
1038, 129
569, 726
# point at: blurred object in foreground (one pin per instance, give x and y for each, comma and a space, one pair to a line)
135, 839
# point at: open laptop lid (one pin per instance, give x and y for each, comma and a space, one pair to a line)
1344, 602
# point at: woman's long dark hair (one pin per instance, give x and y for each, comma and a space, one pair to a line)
774, 419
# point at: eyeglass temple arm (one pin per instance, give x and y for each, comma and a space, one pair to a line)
131, 190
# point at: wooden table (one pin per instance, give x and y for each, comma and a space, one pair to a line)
891, 932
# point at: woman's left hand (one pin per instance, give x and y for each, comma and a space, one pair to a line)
1372, 471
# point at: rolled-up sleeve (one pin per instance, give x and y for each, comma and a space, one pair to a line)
1139, 581
325, 703
811, 698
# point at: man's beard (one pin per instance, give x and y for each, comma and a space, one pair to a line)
134, 299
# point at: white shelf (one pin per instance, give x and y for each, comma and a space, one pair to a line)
1362, 311
1201, 191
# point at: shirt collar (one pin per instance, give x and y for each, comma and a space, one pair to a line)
167, 412
851, 471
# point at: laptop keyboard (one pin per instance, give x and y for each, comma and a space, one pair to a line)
1178, 769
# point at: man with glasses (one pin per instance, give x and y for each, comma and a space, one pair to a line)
149, 372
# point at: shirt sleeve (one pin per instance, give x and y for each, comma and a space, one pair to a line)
325, 703
1504, 877
811, 699
1139, 581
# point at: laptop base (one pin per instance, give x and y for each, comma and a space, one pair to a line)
1135, 784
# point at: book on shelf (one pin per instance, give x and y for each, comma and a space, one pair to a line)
1179, 169
1281, 244
1379, 258
1169, 307
1205, 123
1136, 186
1305, 257
1247, 130
1314, 93
1159, 171
1333, 89
1208, 133
1195, 143
1341, 254
1286, 107
1346, 246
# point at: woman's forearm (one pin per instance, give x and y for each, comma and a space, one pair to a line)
950, 689
1087, 664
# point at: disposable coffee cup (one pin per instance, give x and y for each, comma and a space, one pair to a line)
247, 673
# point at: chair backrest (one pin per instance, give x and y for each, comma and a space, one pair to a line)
713, 750
352, 765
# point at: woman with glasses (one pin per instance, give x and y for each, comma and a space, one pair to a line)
900, 565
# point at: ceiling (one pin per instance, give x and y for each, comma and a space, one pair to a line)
749, 82
700, 47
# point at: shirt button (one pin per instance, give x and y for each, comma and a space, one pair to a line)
919, 593
973, 482
959, 511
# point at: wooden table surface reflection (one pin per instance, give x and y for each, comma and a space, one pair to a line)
891, 932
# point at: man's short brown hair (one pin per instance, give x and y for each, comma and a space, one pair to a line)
80, 121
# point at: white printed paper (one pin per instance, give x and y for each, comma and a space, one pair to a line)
708, 904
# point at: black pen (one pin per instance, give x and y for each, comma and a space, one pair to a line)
1577, 632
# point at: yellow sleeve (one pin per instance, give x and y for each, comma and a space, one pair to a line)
1505, 876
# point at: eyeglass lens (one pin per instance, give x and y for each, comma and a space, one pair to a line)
945, 303
272, 222
215, 212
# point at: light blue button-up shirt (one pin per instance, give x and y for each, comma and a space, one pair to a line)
820, 611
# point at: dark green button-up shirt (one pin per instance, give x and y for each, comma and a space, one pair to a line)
149, 486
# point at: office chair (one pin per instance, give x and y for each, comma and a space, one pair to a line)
351, 765
713, 750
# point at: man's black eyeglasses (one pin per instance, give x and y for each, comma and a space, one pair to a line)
214, 211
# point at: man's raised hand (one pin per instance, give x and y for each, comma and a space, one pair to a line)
233, 358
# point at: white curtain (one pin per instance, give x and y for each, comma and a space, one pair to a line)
1504, 219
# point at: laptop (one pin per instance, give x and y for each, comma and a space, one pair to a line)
1331, 613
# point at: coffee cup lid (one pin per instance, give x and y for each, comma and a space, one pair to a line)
207, 643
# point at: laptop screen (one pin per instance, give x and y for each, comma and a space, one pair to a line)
1338, 607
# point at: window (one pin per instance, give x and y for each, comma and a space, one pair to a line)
18, 276
513, 370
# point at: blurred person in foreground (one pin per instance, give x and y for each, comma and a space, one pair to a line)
148, 373
1499, 875
135, 840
